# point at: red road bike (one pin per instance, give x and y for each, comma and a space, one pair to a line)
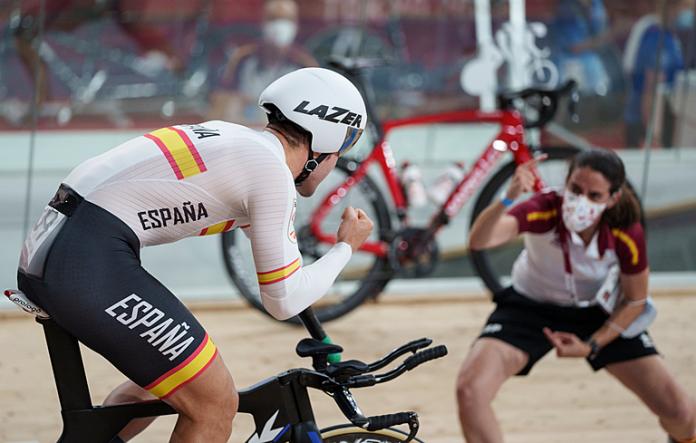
396, 247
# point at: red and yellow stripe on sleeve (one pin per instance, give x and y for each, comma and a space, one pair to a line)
182, 155
280, 274
218, 228
186, 371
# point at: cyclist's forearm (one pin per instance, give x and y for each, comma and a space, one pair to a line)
289, 297
486, 232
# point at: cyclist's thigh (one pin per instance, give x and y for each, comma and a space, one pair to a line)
205, 396
138, 325
95, 288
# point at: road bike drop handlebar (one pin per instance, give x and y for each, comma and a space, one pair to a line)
337, 378
543, 101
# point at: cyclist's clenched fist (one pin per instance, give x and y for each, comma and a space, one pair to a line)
355, 227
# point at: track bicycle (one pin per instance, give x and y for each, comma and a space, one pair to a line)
280, 405
397, 248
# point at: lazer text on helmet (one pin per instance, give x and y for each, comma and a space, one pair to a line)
334, 115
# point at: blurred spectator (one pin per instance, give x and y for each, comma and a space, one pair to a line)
654, 35
578, 31
67, 15
254, 66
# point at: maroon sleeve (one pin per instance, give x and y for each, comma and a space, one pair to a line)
630, 249
538, 214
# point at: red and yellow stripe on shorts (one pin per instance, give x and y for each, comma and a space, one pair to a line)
186, 371
182, 155
218, 228
280, 274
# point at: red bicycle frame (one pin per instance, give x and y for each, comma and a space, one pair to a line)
510, 138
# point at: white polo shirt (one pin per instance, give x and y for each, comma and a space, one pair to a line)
539, 272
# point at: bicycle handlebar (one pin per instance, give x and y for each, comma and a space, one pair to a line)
338, 385
412, 346
365, 380
347, 404
545, 103
378, 422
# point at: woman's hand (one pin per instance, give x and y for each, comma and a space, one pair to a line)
567, 344
524, 179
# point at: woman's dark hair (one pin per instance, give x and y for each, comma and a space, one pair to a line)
295, 134
627, 210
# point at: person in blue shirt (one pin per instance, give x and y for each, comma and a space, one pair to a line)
578, 29
641, 67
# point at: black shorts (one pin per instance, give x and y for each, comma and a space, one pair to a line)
94, 287
519, 320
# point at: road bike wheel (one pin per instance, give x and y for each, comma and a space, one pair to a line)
353, 434
495, 265
364, 276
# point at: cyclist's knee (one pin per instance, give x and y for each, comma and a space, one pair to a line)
128, 392
212, 396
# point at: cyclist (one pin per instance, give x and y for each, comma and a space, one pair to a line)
572, 241
81, 260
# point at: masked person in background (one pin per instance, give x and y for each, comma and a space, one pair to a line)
254, 66
575, 241
658, 30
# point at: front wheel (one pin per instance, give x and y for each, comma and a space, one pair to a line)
353, 434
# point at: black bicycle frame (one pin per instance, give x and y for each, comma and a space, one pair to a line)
280, 405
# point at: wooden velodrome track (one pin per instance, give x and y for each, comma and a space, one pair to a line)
561, 401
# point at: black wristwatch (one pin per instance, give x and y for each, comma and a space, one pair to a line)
594, 348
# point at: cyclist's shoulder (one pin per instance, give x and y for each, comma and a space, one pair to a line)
216, 140
224, 132
263, 149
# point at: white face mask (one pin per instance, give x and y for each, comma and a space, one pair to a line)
281, 32
579, 213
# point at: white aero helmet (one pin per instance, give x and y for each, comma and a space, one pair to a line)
322, 102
